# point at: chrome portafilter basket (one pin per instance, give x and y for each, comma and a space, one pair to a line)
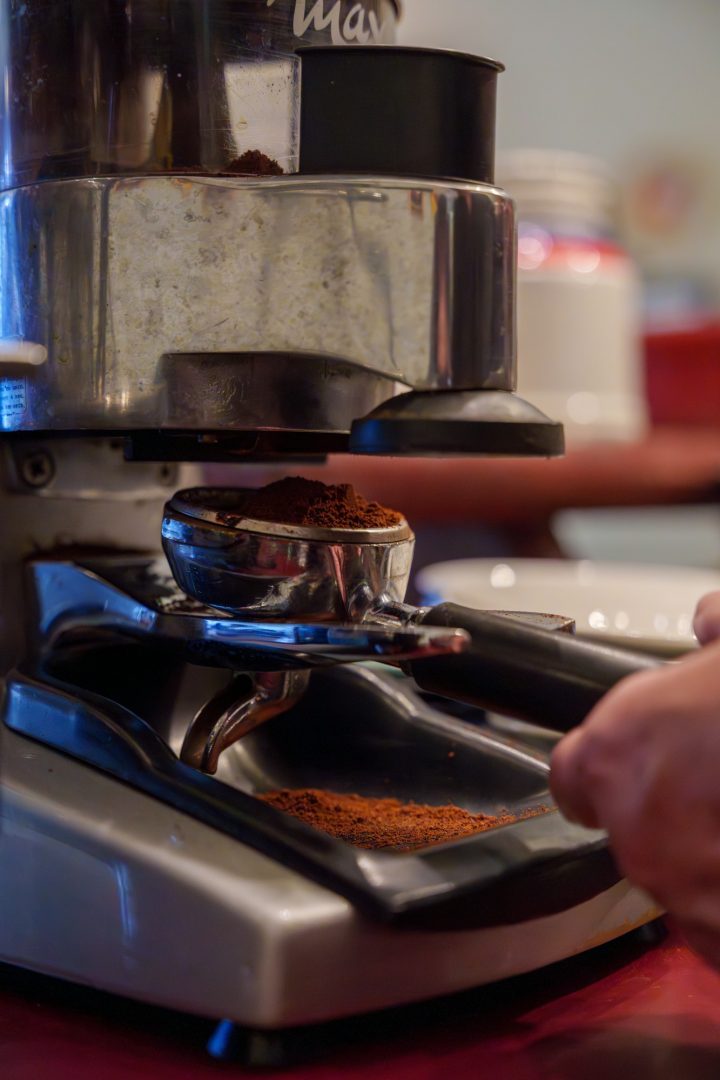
270, 570
352, 584
297, 577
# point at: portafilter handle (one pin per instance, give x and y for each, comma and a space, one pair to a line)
546, 678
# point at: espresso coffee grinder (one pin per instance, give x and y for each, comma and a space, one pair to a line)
162, 302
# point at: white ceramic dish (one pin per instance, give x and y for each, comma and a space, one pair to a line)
642, 607
684, 536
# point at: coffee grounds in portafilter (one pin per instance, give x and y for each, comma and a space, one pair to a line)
254, 163
295, 501
374, 824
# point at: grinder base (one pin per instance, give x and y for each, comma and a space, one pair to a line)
110, 886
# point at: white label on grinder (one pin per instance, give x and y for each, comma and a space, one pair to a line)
13, 402
356, 26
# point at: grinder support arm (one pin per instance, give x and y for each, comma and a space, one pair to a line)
123, 598
137, 598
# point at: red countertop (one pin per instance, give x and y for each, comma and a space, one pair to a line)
629, 1009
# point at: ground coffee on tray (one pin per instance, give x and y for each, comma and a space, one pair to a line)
384, 823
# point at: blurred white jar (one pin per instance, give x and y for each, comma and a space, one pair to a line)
579, 302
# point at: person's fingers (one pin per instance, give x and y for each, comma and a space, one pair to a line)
644, 768
586, 763
568, 783
707, 618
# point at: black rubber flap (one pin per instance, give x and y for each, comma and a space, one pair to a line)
398, 111
459, 422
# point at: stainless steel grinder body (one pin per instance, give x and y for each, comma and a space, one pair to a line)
147, 289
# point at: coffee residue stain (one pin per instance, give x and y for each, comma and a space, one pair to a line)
374, 824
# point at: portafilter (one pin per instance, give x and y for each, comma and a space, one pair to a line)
513, 663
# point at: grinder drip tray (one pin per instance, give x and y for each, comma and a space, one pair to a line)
124, 710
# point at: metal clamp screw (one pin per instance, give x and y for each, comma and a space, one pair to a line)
37, 469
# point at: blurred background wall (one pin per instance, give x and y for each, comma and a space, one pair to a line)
634, 82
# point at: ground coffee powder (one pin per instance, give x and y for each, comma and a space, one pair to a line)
294, 501
254, 163
384, 823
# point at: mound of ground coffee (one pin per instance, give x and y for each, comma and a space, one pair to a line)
294, 501
384, 823
254, 163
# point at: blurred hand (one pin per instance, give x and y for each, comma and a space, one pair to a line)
707, 619
645, 766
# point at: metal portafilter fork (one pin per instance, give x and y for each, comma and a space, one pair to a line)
513, 663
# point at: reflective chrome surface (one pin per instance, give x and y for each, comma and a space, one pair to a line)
92, 87
184, 303
235, 711
263, 570
136, 598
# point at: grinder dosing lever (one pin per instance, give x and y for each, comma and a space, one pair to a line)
281, 573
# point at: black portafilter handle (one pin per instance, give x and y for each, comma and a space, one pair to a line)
540, 676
